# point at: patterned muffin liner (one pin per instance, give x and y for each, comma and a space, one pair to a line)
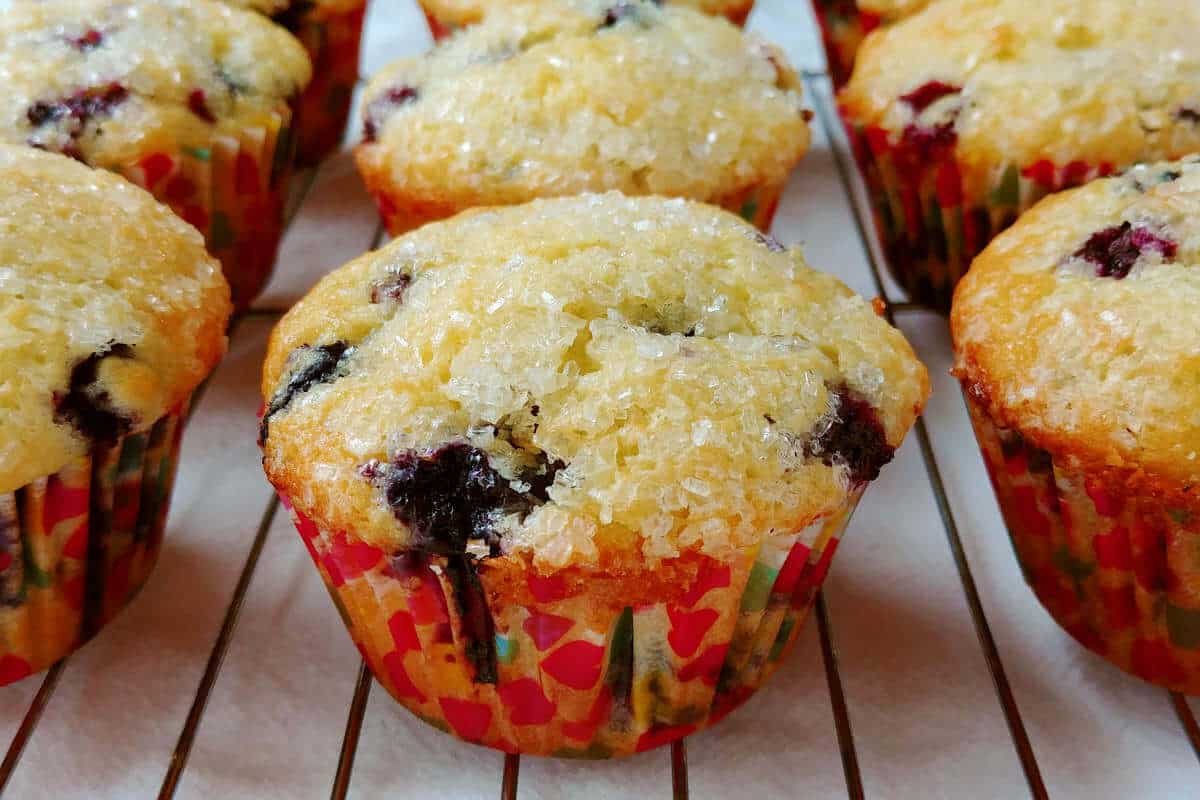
444, 30
77, 546
563, 665
333, 43
233, 191
929, 229
1119, 572
843, 27
756, 204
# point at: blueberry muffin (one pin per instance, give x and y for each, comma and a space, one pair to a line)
575, 470
331, 31
1076, 347
967, 113
111, 313
562, 98
449, 16
845, 23
190, 99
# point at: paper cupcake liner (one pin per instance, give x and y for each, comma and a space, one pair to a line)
441, 29
332, 41
1117, 571
564, 664
77, 546
929, 228
756, 204
233, 191
843, 27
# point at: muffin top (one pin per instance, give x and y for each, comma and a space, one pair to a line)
1106, 83
584, 379
562, 98
1078, 325
111, 311
469, 12
107, 81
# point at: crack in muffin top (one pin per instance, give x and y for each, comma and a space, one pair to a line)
111, 311
106, 81
599, 375
1102, 82
469, 12
560, 98
1078, 325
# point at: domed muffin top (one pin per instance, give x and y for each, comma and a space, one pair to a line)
579, 378
1011, 83
107, 81
469, 12
1078, 325
111, 311
561, 98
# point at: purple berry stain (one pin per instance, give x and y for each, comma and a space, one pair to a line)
927, 94
448, 498
88, 408
90, 40
198, 105
1115, 250
313, 366
852, 436
381, 107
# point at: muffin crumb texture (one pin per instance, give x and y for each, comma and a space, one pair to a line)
560, 98
1077, 326
594, 381
1039, 86
104, 81
112, 310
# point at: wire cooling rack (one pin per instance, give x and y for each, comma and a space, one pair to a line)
928, 671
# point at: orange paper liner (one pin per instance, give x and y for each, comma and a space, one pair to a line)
929, 226
1118, 571
77, 546
756, 204
498, 654
233, 191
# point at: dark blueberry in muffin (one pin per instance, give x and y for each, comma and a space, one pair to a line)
619, 12
311, 366
1186, 114
450, 497
852, 435
86, 406
198, 104
90, 40
1115, 250
392, 289
80, 107
927, 94
382, 106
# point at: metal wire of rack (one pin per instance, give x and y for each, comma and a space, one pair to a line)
819, 93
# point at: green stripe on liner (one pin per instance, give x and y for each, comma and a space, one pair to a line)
1008, 191
198, 153
758, 587
749, 210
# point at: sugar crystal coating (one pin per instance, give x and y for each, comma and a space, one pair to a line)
582, 378
111, 311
